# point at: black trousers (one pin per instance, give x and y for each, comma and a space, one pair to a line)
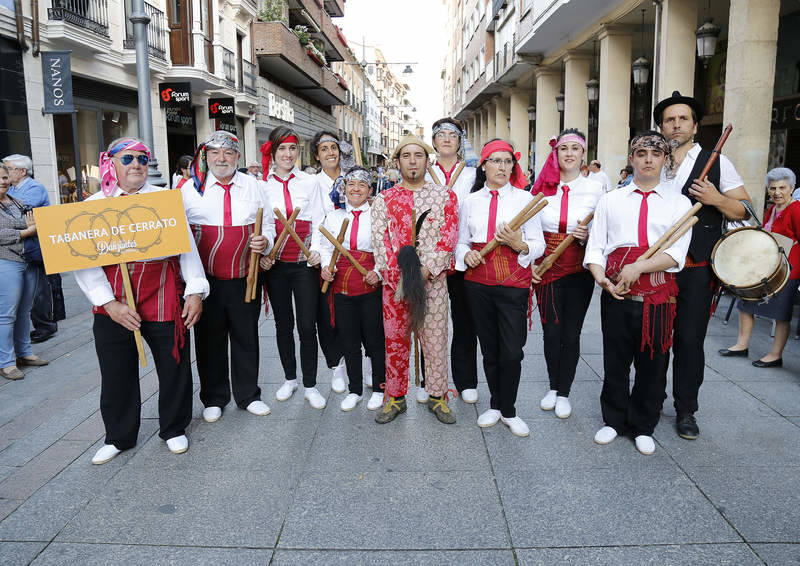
42, 317
500, 314
464, 347
226, 317
359, 320
328, 338
695, 294
284, 280
564, 311
631, 411
120, 397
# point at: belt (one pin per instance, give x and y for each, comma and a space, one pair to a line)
639, 299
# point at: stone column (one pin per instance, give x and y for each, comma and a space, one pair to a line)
614, 107
519, 123
501, 108
548, 84
484, 125
752, 33
576, 102
490, 121
478, 129
677, 55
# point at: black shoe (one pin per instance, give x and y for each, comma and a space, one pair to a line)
37, 338
734, 353
687, 428
773, 364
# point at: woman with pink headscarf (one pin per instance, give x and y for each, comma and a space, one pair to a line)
564, 292
168, 297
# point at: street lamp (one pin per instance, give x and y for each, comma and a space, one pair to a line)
531, 113
641, 72
707, 35
593, 90
560, 102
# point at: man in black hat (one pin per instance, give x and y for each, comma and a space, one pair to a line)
721, 194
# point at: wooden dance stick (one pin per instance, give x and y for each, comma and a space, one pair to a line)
335, 256
137, 334
283, 235
531, 209
655, 248
301, 244
252, 273
455, 175
434, 178
677, 235
343, 250
548, 262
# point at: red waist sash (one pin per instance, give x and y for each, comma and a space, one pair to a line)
224, 250
501, 268
569, 262
348, 280
157, 291
658, 289
290, 252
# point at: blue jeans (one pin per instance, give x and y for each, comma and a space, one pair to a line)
17, 286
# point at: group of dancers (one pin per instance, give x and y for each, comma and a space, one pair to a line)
353, 272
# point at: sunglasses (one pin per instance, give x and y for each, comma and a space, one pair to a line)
127, 159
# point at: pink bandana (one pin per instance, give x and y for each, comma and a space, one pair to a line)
550, 175
108, 175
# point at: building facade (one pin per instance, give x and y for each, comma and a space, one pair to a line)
518, 69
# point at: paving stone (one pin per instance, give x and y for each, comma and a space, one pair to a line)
733, 441
19, 553
391, 510
534, 368
7, 506
48, 510
91, 429
775, 554
783, 397
30, 419
584, 398
395, 558
41, 469
602, 507
661, 555
760, 501
68, 554
197, 507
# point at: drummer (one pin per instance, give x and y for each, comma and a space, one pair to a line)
783, 217
721, 195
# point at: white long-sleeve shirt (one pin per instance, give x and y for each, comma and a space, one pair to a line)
729, 178
473, 223
94, 282
333, 223
602, 178
583, 196
325, 186
616, 223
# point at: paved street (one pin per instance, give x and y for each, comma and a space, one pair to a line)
310, 487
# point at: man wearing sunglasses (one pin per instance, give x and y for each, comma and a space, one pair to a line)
221, 204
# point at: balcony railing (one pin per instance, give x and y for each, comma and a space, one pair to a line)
89, 14
249, 75
229, 66
156, 30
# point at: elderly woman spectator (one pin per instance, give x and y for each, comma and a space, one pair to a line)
18, 283
783, 217
48, 301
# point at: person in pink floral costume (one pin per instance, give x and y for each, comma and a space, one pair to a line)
414, 233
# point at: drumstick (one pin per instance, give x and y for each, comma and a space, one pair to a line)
548, 262
335, 255
343, 250
301, 244
250, 293
434, 178
515, 223
283, 235
677, 235
457, 172
655, 248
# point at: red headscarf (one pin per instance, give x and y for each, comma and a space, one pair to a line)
266, 152
550, 175
517, 177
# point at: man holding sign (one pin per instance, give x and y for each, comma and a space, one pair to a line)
168, 294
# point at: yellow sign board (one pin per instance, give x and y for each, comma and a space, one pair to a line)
110, 231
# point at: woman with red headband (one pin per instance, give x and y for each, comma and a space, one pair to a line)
498, 285
564, 291
292, 273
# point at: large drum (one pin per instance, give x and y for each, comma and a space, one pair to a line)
751, 263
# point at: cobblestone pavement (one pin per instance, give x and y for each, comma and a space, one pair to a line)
309, 487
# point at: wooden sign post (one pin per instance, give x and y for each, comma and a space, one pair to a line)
101, 232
